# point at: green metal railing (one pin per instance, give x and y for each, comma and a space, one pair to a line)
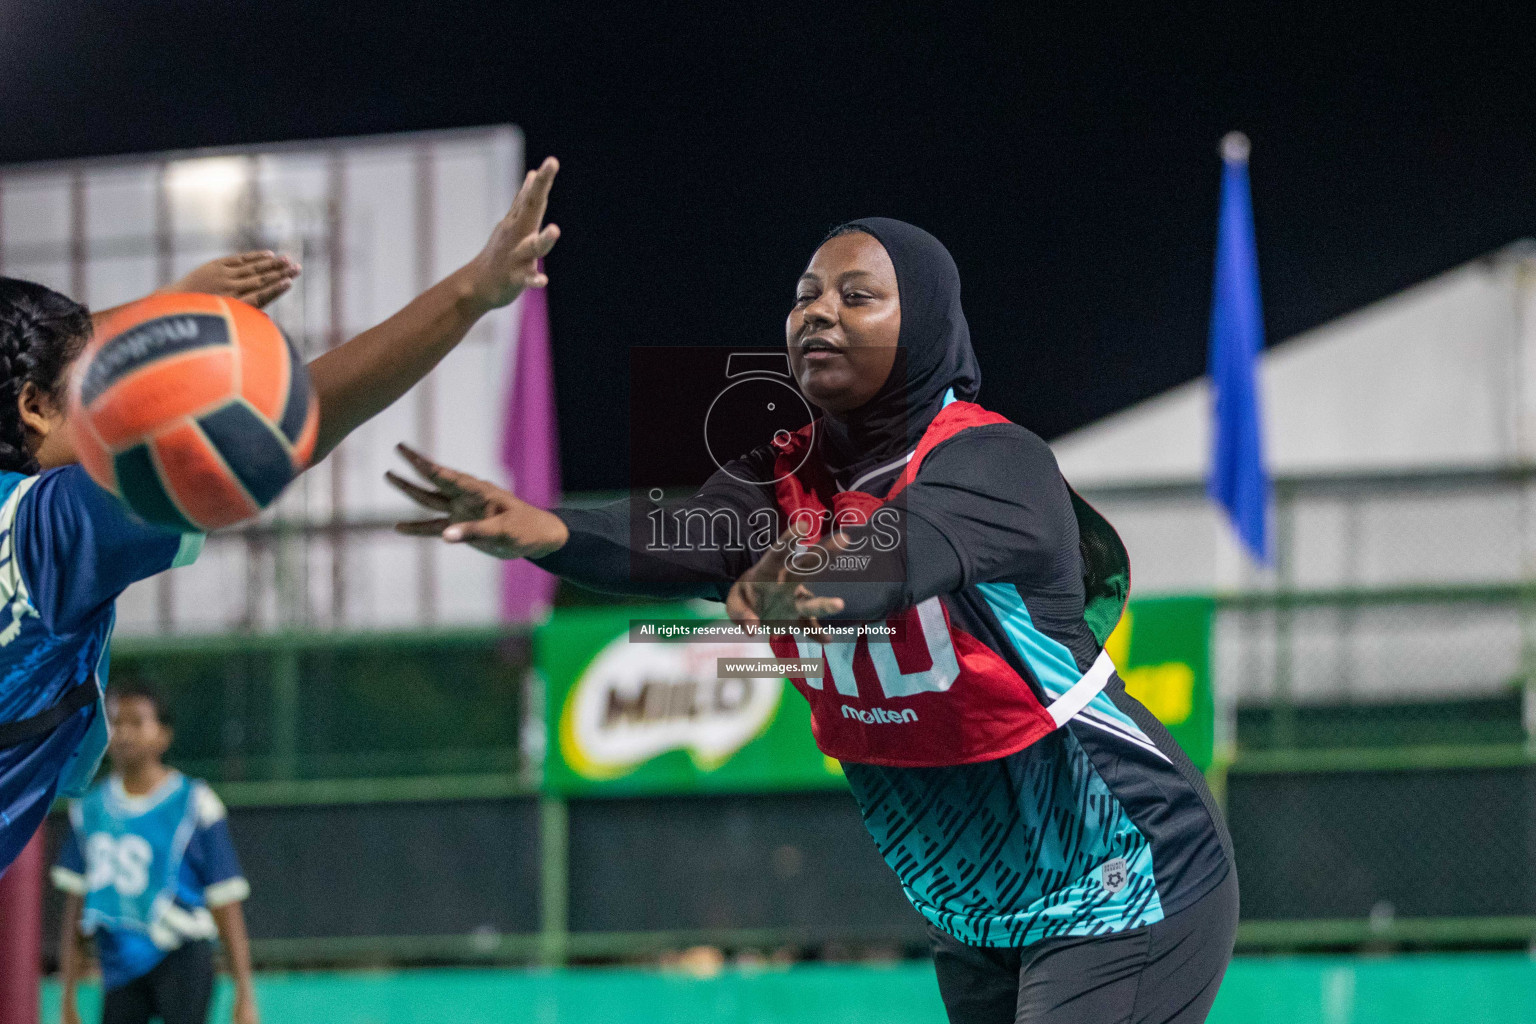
290, 706
555, 944
308, 718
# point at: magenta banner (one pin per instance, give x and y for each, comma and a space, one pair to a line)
530, 452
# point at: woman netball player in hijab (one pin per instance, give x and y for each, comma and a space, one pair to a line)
1065, 853
68, 548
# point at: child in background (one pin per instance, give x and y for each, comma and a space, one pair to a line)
150, 873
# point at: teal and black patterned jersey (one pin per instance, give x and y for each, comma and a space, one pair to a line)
1100, 827
1038, 844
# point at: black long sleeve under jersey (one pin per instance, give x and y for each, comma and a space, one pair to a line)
988, 504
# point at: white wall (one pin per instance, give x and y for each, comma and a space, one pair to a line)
1426, 379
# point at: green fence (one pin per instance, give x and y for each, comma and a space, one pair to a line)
1481, 989
1443, 666
282, 707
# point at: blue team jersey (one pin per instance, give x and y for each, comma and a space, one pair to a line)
148, 868
67, 550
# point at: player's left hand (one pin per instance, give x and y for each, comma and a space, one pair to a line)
256, 277
509, 262
772, 590
476, 512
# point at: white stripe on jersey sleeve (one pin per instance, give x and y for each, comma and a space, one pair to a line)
222, 894
13, 589
210, 808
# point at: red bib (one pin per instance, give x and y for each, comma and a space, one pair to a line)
932, 694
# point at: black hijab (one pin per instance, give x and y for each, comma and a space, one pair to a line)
934, 355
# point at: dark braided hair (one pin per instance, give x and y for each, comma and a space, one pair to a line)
41, 333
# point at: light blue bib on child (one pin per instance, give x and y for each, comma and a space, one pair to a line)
133, 852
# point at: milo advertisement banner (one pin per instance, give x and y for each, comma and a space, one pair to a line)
647, 717
1162, 648
631, 716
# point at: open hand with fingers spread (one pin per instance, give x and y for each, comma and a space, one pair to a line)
475, 512
255, 277
774, 591
509, 262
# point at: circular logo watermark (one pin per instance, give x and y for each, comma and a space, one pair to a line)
759, 406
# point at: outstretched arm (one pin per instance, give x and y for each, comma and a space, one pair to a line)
693, 547
361, 378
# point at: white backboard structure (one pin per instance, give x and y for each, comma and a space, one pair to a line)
1440, 376
374, 221
1404, 438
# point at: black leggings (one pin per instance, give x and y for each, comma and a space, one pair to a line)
177, 991
1167, 973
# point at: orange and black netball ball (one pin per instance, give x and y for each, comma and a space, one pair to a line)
195, 410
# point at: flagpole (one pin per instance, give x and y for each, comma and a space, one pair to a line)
1234, 565
1239, 480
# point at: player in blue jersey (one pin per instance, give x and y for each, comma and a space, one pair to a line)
68, 548
150, 873
1068, 858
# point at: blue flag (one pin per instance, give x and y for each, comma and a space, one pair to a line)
1239, 479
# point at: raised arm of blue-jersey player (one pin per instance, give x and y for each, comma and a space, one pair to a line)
359, 379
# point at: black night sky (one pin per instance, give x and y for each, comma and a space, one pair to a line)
1068, 159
